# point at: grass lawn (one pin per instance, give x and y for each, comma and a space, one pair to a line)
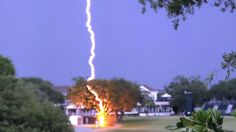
157, 124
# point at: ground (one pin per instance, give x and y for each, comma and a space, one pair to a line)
149, 124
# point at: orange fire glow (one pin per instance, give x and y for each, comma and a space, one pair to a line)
101, 110
101, 118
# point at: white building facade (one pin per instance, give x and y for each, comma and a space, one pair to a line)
161, 103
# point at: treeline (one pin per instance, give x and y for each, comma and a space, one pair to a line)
201, 92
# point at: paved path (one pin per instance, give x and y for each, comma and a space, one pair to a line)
91, 128
83, 129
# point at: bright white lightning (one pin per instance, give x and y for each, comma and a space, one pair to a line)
92, 38
101, 117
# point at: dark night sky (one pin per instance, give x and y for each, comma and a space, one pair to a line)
48, 39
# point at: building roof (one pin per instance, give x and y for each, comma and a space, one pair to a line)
147, 88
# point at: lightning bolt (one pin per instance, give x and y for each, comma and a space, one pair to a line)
101, 111
92, 38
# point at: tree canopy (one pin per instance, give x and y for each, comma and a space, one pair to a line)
118, 95
224, 90
125, 95
6, 67
22, 111
25, 106
44, 89
181, 84
229, 63
179, 9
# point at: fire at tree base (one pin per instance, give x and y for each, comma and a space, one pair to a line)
101, 120
106, 121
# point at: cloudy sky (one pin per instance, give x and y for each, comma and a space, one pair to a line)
48, 39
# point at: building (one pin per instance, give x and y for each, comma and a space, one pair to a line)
159, 107
78, 115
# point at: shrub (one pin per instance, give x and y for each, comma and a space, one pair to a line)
22, 111
234, 113
202, 121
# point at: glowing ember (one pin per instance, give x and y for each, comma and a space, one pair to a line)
101, 111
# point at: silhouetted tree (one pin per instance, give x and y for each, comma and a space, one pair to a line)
179, 9
180, 84
229, 63
6, 67
224, 90
44, 89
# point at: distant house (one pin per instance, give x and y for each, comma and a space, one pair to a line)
152, 93
77, 114
161, 100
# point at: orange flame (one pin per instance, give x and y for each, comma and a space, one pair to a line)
101, 111
101, 118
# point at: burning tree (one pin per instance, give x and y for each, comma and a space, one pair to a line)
117, 95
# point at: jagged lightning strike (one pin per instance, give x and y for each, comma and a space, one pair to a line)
101, 117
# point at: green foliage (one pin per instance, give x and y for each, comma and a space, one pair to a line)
229, 63
22, 111
6, 67
145, 100
79, 94
180, 9
116, 94
125, 94
202, 121
234, 113
43, 89
180, 84
224, 90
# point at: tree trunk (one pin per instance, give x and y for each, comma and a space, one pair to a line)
121, 115
117, 115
